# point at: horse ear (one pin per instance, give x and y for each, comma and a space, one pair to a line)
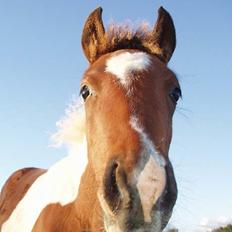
93, 35
163, 37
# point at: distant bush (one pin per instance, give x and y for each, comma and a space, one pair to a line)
227, 228
172, 230
224, 229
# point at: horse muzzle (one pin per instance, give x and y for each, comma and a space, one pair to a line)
132, 201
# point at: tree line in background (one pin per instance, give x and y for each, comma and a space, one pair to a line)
224, 229
221, 229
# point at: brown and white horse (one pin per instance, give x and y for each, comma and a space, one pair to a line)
118, 176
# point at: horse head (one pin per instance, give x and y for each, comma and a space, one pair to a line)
130, 97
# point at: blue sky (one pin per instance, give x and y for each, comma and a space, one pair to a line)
41, 63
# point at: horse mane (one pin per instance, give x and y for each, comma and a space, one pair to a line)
71, 127
127, 36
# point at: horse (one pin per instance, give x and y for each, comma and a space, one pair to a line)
118, 176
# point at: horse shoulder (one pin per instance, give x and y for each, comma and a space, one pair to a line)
15, 188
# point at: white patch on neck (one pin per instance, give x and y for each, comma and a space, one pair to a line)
124, 63
151, 180
60, 184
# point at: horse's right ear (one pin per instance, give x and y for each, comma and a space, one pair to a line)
93, 35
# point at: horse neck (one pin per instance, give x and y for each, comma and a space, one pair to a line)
87, 204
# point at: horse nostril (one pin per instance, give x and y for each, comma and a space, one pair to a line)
111, 190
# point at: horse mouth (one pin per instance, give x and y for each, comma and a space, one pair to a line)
123, 207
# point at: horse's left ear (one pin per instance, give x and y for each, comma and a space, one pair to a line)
93, 35
162, 42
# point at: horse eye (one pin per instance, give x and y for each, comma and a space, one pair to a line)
175, 95
85, 92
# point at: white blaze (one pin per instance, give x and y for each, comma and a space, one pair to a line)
150, 185
151, 180
121, 65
